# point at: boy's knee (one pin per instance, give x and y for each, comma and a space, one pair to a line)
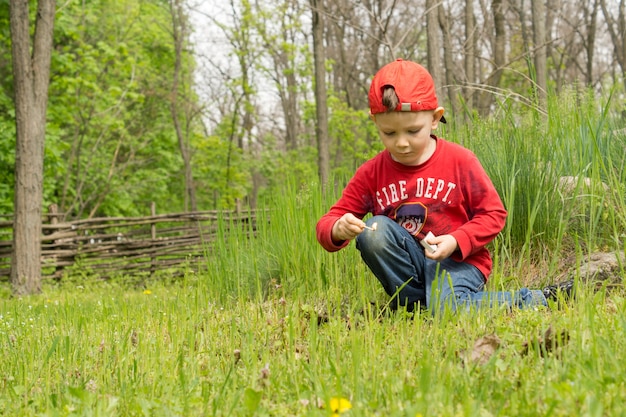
370, 241
377, 239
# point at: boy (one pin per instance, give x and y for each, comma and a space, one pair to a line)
434, 208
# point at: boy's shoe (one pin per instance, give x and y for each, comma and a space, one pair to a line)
565, 289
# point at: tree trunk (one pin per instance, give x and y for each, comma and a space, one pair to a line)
539, 41
551, 11
434, 46
451, 81
499, 56
590, 17
470, 52
617, 29
321, 129
31, 79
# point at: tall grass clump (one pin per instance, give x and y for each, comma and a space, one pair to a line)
281, 251
560, 176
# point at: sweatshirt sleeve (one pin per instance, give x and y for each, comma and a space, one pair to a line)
324, 233
487, 215
355, 199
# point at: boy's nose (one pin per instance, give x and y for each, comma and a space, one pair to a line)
402, 141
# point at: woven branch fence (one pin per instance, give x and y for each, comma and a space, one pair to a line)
126, 246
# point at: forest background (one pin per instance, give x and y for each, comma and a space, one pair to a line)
194, 106
211, 105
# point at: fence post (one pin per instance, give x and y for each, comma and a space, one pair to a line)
53, 213
53, 218
153, 236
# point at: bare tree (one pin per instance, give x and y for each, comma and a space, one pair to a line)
470, 51
564, 48
590, 18
451, 80
617, 30
551, 16
433, 41
280, 33
321, 107
348, 45
31, 72
539, 40
231, 81
482, 45
499, 57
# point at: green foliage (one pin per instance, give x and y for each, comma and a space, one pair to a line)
110, 109
354, 137
7, 164
7, 115
110, 145
220, 177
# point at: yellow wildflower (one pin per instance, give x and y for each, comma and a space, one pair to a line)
147, 292
339, 405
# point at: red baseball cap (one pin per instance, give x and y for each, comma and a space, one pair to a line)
412, 82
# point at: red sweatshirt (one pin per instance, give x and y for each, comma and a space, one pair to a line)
448, 194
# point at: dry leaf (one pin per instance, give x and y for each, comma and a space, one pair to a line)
484, 348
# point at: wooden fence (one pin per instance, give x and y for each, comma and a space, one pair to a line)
129, 246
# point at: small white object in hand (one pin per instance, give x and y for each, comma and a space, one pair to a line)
373, 228
429, 247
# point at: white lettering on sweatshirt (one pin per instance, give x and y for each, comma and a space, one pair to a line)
430, 188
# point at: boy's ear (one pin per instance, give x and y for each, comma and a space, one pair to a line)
437, 115
372, 117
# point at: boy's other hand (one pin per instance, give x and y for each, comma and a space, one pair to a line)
446, 245
347, 227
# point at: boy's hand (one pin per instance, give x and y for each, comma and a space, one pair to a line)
347, 227
446, 245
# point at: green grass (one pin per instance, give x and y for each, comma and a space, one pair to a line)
276, 326
175, 351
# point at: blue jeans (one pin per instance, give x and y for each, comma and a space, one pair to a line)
398, 261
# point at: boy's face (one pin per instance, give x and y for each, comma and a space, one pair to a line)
406, 135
